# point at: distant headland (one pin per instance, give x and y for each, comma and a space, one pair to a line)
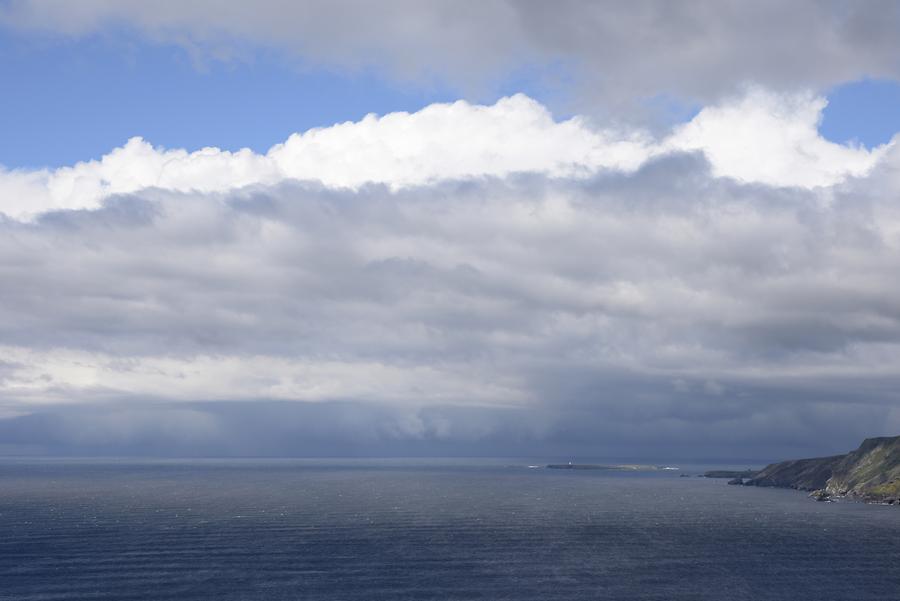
871, 474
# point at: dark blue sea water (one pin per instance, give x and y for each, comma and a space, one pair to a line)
369, 530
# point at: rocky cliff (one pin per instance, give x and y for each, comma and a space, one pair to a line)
870, 473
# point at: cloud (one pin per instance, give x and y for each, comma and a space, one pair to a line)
442, 141
468, 278
616, 52
772, 139
761, 137
462, 279
648, 307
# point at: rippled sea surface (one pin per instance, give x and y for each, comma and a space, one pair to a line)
368, 530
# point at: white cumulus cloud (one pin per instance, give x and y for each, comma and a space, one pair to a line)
759, 138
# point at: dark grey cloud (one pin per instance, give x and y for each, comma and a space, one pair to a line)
612, 52
681, 429
662, 312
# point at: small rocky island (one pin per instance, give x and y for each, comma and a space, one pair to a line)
871, 474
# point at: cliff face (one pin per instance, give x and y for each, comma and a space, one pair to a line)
802, 474
870, 473
872, 470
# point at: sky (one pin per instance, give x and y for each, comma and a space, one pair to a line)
573, 229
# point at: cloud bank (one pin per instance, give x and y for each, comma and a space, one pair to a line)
761, 137
617, 52
462, 279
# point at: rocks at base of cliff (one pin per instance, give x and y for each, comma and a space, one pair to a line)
821, 496
736, 481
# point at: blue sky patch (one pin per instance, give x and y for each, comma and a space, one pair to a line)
867, 112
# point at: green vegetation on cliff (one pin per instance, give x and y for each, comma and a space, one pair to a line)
870, 473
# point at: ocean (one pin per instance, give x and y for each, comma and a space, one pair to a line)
425, 529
